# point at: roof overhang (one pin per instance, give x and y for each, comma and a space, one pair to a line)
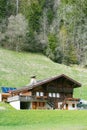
26, 88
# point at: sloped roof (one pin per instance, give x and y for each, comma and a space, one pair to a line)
25, 88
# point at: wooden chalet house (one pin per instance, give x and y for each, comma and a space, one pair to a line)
52, 93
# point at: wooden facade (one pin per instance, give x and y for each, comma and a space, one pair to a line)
53, 93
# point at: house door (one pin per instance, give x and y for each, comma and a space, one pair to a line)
66, 106
56, 105
34, 105
41, 104
38, 105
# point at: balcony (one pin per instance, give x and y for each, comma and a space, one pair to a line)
19, 98
26, 98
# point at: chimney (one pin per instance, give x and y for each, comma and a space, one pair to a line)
33, 80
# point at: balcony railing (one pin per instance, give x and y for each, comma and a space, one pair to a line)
36, 98
26, 98
19, 98
14, 98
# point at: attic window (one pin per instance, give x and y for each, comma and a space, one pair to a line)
54, 95
57, 95
50, 94
39, 94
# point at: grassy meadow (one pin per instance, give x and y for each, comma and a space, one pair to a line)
16, 68
43, 120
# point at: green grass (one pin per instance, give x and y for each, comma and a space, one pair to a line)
16, 68
5, 106
43, 120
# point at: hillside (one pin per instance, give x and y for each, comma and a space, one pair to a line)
57, 27
16, 68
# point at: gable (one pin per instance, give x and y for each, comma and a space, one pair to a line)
61, 78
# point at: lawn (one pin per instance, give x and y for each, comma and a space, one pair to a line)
43, 120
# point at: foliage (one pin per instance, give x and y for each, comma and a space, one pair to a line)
70, 55
65, 19
72, 18
52, 41
2, 9
50, 11
34, 16
16, 32
11, 8
32, 43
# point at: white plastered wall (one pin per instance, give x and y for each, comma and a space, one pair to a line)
15, 104
70, 107
59, 105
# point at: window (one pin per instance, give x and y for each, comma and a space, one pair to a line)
50, 94
37, 93
54, 95
57, 95
41, 94
73, 105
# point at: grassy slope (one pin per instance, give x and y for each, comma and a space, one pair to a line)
16, 69
5, 106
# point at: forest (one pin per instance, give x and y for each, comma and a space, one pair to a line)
56, 28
